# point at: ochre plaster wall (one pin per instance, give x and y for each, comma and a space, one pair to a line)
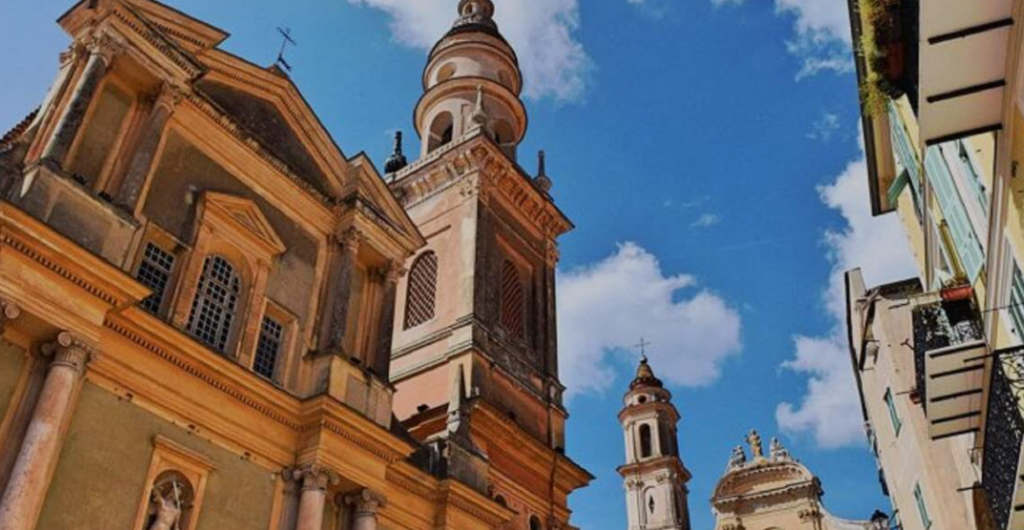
107, 454
12, 362
182, 166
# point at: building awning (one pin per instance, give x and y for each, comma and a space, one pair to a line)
955, 376
963, 53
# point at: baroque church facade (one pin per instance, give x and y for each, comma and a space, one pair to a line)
214, 318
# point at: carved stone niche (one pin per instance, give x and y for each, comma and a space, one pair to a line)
174, 489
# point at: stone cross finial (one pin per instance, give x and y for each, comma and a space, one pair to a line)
756, 449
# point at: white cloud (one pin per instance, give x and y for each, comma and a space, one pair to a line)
604, 309
829, 409
554, 63
821, 35
824, 127
706, 220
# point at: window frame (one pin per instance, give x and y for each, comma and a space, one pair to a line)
922, 506
232, 311
411, 277
894, 416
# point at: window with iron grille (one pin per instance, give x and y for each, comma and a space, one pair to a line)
155, 272
422, 287
213, 309
512, 299
268, 347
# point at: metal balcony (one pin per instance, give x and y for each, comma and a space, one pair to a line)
949, 358
1004, 431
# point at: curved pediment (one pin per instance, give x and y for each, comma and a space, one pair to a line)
763, 477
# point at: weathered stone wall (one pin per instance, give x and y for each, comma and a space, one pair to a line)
183, 172
12, 362
100, 478
100, 134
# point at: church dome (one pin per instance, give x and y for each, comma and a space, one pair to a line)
645, 376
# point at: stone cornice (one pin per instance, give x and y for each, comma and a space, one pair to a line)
475, 153
327, 414
27, 236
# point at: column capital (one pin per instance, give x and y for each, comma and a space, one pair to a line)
8, 311
105, 46
69, 351
349, 238
366, 501
169, 97
315, 477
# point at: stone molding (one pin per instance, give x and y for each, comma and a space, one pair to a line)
315, 477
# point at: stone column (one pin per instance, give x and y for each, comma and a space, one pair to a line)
365, 505
145, 150
386, 328
290, 504
8, 312
101, 55
34, 467
342, 269
313, 496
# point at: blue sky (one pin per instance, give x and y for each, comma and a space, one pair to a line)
708, 152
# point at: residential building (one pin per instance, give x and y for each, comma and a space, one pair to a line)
941, 99
214, 318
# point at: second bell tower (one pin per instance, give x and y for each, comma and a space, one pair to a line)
654, 475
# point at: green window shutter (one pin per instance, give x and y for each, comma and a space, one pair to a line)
897, 186
893, 414
906, 157
922, 508
968, 247
1017, 301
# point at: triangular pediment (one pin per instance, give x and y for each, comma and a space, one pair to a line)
246, 218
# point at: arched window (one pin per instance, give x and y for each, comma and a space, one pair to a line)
535, 523
215, 304
512, 299
441, 131
422, 287
645, 441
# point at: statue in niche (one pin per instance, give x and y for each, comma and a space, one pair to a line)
170, 503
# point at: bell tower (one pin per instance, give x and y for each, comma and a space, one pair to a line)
472, 81
654, 475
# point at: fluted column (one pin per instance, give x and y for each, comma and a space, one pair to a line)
145, 150
386, 328
30, 478
342, 270
313, 496
101, 54
365, 505
8, 312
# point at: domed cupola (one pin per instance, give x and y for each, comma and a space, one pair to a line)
472, 82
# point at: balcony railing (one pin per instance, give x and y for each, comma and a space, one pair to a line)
1004, 431
949, 350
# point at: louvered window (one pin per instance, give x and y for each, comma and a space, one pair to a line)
268, 347
512, 299
213, 309
155, 272
421, 300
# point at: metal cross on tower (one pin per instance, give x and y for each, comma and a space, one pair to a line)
642, 346
286, 39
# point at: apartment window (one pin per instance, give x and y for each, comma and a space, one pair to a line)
973, 176
512, 299
268, 347
922, 508
213, 309
1017, 301
155, 272
422, 287
893, 414
968, 247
